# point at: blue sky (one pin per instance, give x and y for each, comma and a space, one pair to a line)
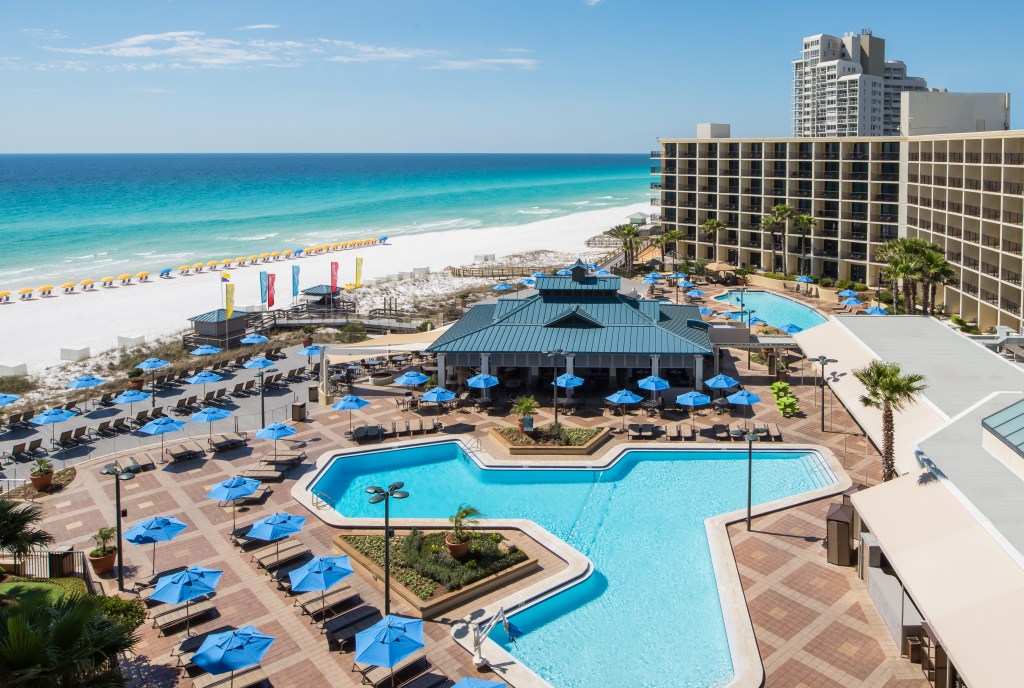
455, 75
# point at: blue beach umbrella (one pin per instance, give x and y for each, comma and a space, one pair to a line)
351, 403
649, 280
704, 310
875, 310
185, 586
847, 293
729, 315
654, 383
258, 363
686, 284
320, 574
389, 641
482, 381
678, 276
204, 378
131, 397
165, 271
411, 377
309, 351
438, 395
52, 417
653, 275
568, 381
206, 350
503, 287
693, 293
528, 282
6, 399
161, 426
853, 301
693, 400
791, 328
564, 272
721, 382
275, 528
254, 339
152, 364
275, 431
85, 381
623, 397
538, 274
231, 489
154, 530
232, 650
591, 266
471, 682
743, 398
209, 415
804, 279
603, 272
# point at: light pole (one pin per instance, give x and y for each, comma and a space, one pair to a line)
552, 355
823, 361
120, 474
378, 495
750, 315
263, 410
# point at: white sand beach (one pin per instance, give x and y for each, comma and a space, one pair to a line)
36, 330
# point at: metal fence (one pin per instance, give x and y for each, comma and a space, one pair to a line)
68, 563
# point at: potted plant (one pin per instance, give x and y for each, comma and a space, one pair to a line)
457, 539
307, 332
135, 379
525, 407
42, 474
104, 556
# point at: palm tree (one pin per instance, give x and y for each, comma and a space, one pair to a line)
70, 642
890, 390
784, 213
771, 224
628, 235
909, 264
18, 532
670, 237
711, 226
804, 222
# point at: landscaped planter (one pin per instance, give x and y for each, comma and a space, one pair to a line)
550, 449
104, 564
381, 378
41, 482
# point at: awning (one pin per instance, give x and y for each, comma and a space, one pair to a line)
415, 341
969, 589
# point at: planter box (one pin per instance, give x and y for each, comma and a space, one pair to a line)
550, 449
379, 379
429, 609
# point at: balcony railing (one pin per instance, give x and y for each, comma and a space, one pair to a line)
802, 174
889, 155
971, 263
858, 216
889, 177
973, 158
855, 155
973, 237
752, 155
884, 217
829, 155
857, 175
989, 269
655, 155
827, 213
972, 210
969, 288
1015, 158
887, 197
954, 258
857, 196
830, 174
752, 208
1013, 218
993, 158
855, 255
827, 232
1013, 247
1011, 277
882, 238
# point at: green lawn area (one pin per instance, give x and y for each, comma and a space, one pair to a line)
21, 590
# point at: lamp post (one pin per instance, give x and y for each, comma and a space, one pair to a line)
119, 475
263, 410
823, 361
378, 495
750, 315
751, 435
552, 355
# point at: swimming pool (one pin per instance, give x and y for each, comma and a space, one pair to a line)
776, 310
650, 613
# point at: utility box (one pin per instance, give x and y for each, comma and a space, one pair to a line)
314, 394
838, 524
299, 412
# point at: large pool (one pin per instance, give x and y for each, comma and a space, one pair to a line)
776, 310
650, 613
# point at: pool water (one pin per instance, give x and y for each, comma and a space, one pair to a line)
650, 613
776, 310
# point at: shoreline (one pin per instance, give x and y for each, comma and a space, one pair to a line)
162, 307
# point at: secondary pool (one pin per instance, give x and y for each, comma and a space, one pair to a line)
650, 613
776, 310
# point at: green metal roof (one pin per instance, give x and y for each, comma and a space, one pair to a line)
319, 290
1008, 426
216, 316
588, 283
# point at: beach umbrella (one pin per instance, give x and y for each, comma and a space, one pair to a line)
275, 431
528, 281
743, 398
623, 397
564, 272
232, 650
693, 400
87, 282
411, 377
804, 279
538, 274
653, 275
791, 328
653, 383
275, 528
757, 321
52, 417
161, 426
351, 403
255, 338
231, 489
85, 381
154, 530
131, 397
704, 310
206, 350
649, 280
258, 363
568, 381
603, 272
591, 266
165, 271
686, 284
875, 310
693, 293
185, 586
152, 365
853, 301
482, 381
142, 275
846, 293
471, 682
389, 641
6, 399
320, 574
438, 395
68, 286
678, 275
721, 382
208, 415
503, 287
310, 351
204, 378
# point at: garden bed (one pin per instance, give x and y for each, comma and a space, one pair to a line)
61, 479
581, 441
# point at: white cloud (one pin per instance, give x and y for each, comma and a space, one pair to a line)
361, 52
257, 27
493, 63
186, 46
591, 3
515, 51
45, 34
10, 62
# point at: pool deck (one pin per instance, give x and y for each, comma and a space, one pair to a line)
814, 623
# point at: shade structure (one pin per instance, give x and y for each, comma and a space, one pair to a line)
185, 586
704, 310
161, 426
152, 364
232, 489
471, 682
310, 351
438, 395
258, 363
876, 310
389, 641
165, 271
85, 381
154, 530
275, 528
205, 350
623, 397
503, 287
693, 399
209, 415
568, 381
482, 381
320, 574
204, 378
411, 377
804, 279
232, 650
653, 383
853, 301
743, 398
694, 293
351, 403
52, 417
721, 382
254, 339
791, 328
6, 399
847, 293
275, 431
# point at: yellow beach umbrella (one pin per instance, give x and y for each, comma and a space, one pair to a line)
26, 290
68, 285
275, 254
253, 258
198, 265
47, 287
125, 276
212, 263
142, 274
87, 282
264, 255
286, 253
109, 278
4, 294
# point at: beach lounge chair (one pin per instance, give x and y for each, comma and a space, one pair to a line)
676, 436
277, 557
777, 435
146, 583
267, 473
286, 457
119, 425
180, 407
64, 439
648, 431
225, 441
102, 430
35, 447
107, 399
403, 672
138, 463
16, 451
177, 615
635, 432
14, 420
238, 390
256, 496
243, 678
721, 432
184, 452
343, 628
431, 679
140, 418
249, 386
310, 603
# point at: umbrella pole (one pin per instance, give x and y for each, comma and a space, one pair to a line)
234, 510
188, 620
623, 409
154, 557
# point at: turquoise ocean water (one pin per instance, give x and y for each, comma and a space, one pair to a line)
76, 216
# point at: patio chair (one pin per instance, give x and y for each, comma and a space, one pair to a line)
225, 441
403, 672
256, 496
342, 629
184, 452
140, 462
264, 473
179, 407
243, 678
648, 431
177, 615
677, 436
119, 425
721, 432
14, 420
635, 431
777, 435
311, 603
277, 558
80, 434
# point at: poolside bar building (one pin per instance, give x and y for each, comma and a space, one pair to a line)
578, 323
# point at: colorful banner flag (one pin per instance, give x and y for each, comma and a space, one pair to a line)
270, 290
334, 278
295, 281
229, 301
359, 272
225, 277
263, 287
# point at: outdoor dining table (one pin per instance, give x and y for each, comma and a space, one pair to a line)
400, 359
374, 362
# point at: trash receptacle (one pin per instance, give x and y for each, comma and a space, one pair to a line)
299, 412
314, 394
840, 546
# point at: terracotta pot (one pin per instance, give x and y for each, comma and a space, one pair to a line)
101, 565
41, 482
457, 549
136, 382
307, 340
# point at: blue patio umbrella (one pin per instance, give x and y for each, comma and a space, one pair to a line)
154, 530
152, 364
309, 351
411, 377
131, 397
209, 415
729, 315
693, 399
538, 274
231, 489
470, 682
482, 381
351, 403
654, 383
721, 382
6, 399
853, 301
791, 328
704, 310
678, 275
603, 272
591, 266
161, 426
503, 287
232, 650
528, 282
804, 279
743, 398
275, 528
438, 395
568, 381
389, 641
258, 363
185, 586
875, 310
693, 293
847, 293
206, 350
275, 431
653, 275
320, 574
52, 417
623, 397
85, 381
254, 338
757, 321
686, 284
564, 271
204, 378
649, 280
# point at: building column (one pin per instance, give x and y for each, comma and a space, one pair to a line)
698, 371
655, 362
485, 360
570, 362
441, 372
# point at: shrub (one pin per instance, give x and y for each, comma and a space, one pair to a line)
352, 332
128, 613
134, 373
860, 286
42, 467
425, 326
308, 329
826, 281
886, 297
17, 384
843, 284
484, 559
